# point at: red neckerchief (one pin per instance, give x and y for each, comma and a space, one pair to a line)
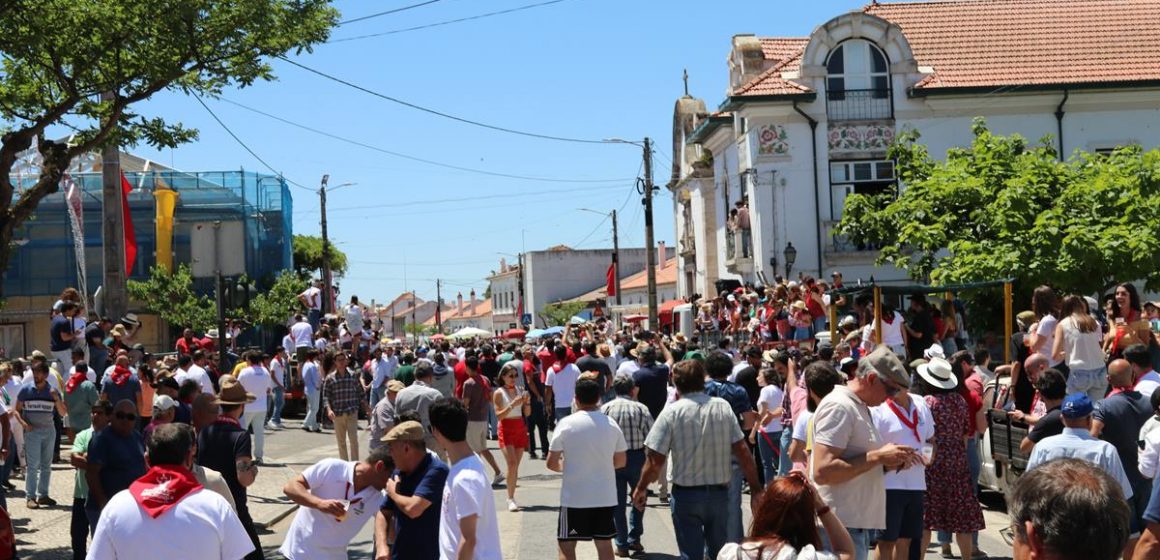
911, 422
162, 487
228, 420
76, 379
890, 320
120, 375
346, 495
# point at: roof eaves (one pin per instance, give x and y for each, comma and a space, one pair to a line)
707, 127
1013, 88
734, 102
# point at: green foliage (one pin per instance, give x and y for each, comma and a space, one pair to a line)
418, 329
61, 58
278, 303
1002, 208
171, 296
308, 256
558, 314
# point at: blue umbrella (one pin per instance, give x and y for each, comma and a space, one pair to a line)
535, 333
554, 330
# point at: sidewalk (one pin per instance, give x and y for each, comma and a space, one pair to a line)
43, 533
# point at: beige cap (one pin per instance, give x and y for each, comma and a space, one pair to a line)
406, 431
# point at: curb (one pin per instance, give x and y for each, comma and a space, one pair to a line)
279, 516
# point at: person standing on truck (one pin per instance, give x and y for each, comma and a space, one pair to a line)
1117, 420
1051, 388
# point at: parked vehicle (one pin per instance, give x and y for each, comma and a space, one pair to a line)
1002, 460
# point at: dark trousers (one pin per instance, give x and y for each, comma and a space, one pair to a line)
628, 528
79, 529
537, 420
58, 423
248, 523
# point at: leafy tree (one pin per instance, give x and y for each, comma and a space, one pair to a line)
418, 329
1004, 209
278, 303
85, 65
558, 314
308, 256
171, 295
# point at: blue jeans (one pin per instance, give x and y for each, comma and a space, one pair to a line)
492, 422
38, 452
820, 325
314, 316
698, 522
770, 453
562, 413
537, 420
10, 462
1094, 382
733, 530
377, 394
313, 400
279, 401
628, 531
862, 538
783, 467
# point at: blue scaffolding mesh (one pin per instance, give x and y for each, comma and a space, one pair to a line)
44, 260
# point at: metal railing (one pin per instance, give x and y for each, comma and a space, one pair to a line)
859, 105
839, 243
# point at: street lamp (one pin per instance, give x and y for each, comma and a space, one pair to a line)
790, 254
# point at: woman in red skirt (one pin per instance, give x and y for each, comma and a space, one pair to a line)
511, 405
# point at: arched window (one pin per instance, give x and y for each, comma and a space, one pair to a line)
858, 82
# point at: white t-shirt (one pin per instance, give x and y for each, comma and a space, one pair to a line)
354, 317
201, 376
316, 535
313, 298
772, 397
892, 430
627, 367
737, 369
1046, 331
801, 426
563, 384
302, 333
466, 493
257, 382
288, 344
278, 373
588, 440
891, 332
1148, 383
202, 526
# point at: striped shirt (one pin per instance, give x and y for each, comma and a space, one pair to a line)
342, 392
699, 431
632, 417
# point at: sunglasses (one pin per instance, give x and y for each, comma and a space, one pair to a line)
125, 416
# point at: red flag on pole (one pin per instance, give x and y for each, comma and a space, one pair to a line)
130, 235
611, 274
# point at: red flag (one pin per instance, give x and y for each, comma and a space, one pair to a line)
611, 274
520, 310
130, 235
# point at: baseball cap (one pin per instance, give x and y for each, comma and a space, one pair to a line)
163, 403
1076, 405
406, 431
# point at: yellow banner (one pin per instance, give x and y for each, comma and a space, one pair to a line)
166, 204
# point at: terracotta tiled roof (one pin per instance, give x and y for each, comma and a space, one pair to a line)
482, 308
779, 49
770, 82
985, 43
666, 274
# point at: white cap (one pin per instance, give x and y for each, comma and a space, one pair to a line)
162, 403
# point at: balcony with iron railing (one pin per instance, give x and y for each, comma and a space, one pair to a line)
859, 105
739, 251
837, 244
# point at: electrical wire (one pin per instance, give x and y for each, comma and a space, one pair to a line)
394, 11
591, 233
442, 114
247, 148
491, 196
441, 23
416, 158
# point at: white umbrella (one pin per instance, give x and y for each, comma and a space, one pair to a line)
469, 332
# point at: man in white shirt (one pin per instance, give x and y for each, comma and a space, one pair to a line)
905, 420
167, 513
587, 447
303, 335
198, 373
257, 381
383, 367
337, 498
561, 383
467, 525
311, 299
184, 362
1147, 380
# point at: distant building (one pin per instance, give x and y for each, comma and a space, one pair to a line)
44, 260
807, 121
504, 286
473, 313
634, 292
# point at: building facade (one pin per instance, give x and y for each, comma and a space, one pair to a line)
504, 287
807, 121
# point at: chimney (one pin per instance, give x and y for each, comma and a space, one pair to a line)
473, 301
661, 254
502, 265
459, 302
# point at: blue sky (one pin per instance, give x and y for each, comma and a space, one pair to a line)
588, 69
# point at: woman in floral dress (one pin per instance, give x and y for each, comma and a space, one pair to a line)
950, 503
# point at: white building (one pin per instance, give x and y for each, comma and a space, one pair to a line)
807, 121
504, 287
473, 313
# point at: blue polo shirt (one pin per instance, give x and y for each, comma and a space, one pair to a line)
419, 537
734, 394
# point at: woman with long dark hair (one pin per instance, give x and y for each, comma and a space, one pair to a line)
785, 526
1077, 343
1045, 306
1126, 322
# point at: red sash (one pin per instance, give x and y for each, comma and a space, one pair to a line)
162, 488
911, 422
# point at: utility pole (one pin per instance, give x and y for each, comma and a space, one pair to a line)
439, 306
113, 281
414, 325
327, 286
520, 305
615, 257
650, 256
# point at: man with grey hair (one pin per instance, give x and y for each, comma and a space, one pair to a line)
418, 397
635, 422
849, 455
1068, 509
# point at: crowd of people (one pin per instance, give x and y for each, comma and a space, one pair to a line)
864, 443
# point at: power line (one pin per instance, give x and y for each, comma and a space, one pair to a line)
490, 196
591, 233
247, 148
448, 22
442, 114
394, 11
416, 158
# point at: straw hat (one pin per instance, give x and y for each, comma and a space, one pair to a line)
939, 373
232, 392
118, 330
